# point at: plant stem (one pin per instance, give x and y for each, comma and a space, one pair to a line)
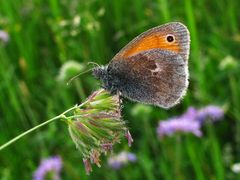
29, 131
40, 125
74, 107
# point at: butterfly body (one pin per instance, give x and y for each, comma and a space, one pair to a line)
149, 69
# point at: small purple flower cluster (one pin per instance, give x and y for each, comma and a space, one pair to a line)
179, 125
191, 121
213, 113
121, 159
51, 166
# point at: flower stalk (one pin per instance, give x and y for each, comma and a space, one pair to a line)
94, 126
61, 116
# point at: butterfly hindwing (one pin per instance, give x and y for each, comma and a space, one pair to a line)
152, 77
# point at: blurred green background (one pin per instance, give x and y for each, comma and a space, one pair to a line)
44, 35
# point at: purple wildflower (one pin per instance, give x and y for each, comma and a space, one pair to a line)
212, 112
52, 166
168, 128
132, 157
121, 159
4, 37
189, 122
190, 114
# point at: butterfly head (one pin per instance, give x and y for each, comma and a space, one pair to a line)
102, 74
110, 80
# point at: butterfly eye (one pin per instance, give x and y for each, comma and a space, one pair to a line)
170, 38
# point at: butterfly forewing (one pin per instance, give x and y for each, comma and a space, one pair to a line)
156, 38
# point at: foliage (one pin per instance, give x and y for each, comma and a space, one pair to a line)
44, 35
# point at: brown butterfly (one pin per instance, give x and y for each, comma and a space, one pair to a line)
152, 68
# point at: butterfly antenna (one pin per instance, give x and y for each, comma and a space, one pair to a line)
96, 64
74, 77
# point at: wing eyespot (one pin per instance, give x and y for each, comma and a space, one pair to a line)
170, 38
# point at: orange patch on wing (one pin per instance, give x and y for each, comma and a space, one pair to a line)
151, 42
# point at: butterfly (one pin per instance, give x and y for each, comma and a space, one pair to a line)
152, 68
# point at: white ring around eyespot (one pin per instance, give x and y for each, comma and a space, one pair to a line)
168, 36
